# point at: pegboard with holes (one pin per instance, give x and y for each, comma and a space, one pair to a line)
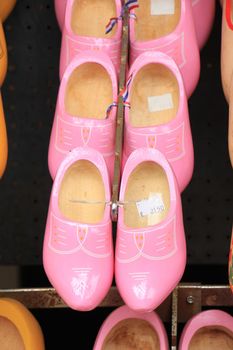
29, 96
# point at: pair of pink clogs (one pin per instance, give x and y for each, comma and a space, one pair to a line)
125, 329
155, 25
156, 111
150, 253
203, 14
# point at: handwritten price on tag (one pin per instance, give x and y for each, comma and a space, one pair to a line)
151, 206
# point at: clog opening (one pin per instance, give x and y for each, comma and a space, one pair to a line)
154, 96
147, 196
212, 338
81, 195
156, 18
90, 17
132, 334
10, 338
89, 91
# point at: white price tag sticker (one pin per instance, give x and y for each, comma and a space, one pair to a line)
160, 103
162, 7
150, 206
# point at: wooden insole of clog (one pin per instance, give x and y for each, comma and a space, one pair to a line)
210, 338
82, 182
89, 92
10, 339
146, 180
90, 17
153, 80
132, 334
149, 27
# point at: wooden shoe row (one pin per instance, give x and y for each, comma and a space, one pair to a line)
125, 329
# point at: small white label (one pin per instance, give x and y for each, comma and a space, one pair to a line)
160, 103
150, 206
162, 7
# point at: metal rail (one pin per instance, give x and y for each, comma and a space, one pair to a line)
185, 301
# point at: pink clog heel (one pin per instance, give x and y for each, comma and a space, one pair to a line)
203, 13
169, 28
85, 29
78, 250
60, 10
156, 113
150, 247
125, 329
209, 330
86, 110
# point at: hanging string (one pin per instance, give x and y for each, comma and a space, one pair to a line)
133, 16
125, 92
111, 24
118, 203
127, 105
114, 104
130, 5
89, 202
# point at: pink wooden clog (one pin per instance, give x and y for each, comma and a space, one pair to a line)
156, 113
86, 110
150, 252
127, 329
208, 330
157, 25
78, 250
84, 29
203, 13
